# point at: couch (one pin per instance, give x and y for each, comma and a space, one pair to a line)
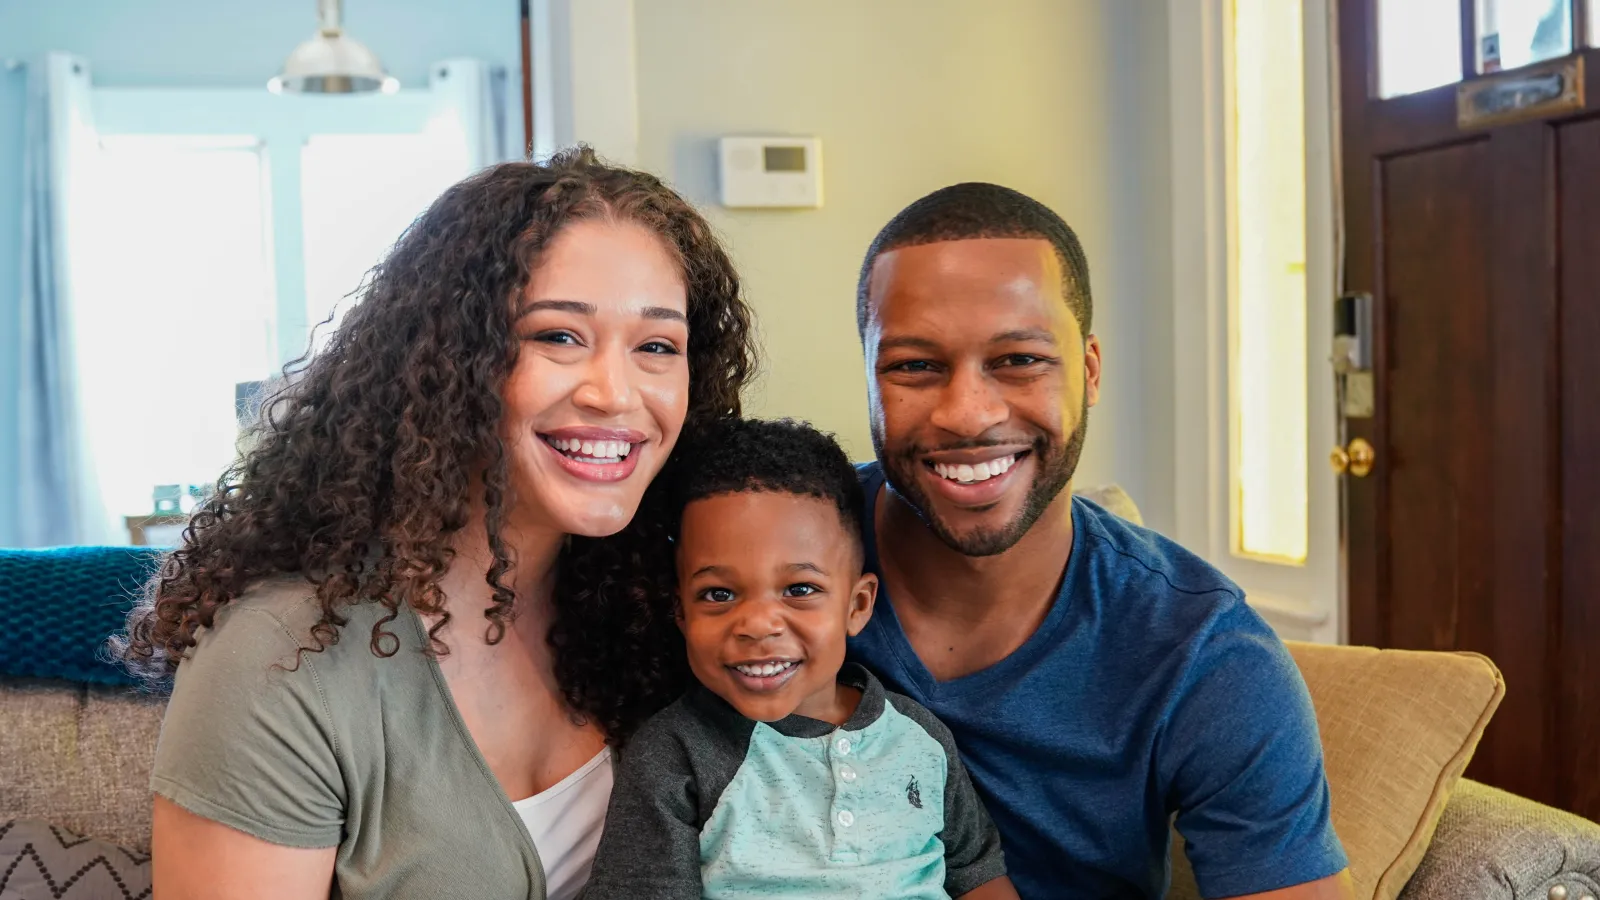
1398, 728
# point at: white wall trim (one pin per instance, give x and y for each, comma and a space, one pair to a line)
1198, 263
586, 77
1289, 609
1310, 598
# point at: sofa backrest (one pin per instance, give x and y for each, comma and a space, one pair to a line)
79, 756
78, 737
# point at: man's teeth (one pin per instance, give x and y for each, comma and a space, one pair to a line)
765, 670
593, 451
972, 474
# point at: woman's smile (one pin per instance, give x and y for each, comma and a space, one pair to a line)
596, 454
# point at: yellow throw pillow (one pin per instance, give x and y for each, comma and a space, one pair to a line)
1398, 728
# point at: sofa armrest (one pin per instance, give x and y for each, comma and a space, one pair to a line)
1491, 844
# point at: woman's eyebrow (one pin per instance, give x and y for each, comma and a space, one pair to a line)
576, 307
580, 308
664, 312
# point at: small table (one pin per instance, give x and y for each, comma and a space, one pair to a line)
156, 530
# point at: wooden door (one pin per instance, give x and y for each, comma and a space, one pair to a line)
1479, 525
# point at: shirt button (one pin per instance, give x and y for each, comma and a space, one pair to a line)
846, 818
847, 774
842, 746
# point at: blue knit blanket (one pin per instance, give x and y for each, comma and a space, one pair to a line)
58, 607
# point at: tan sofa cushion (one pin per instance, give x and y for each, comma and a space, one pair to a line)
79, 757
1113, 499
1398, 728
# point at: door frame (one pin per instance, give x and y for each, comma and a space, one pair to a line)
1303, 602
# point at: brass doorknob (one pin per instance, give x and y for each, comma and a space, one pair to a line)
1362, 456
1357, 458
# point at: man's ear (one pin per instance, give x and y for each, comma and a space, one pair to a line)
1091, 370
862, 599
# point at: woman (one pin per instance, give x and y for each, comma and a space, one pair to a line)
400, 653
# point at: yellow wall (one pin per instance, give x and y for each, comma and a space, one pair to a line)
1062, 99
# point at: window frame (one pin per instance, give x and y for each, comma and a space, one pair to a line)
464, 98
282, 125
1301, 601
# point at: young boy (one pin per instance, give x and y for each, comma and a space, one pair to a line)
786, 773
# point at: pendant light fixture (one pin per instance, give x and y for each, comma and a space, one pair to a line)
331, 62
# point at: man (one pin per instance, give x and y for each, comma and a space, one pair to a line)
1098, 678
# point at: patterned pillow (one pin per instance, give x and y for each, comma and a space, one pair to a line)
43, 862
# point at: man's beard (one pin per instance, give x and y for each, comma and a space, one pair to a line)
1053, 472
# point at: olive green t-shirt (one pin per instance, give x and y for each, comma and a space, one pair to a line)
341, 749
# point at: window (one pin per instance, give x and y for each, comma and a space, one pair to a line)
358, 194
1419, 45
174, 308
200, 262
1419, 41
1268, 283
1514, 33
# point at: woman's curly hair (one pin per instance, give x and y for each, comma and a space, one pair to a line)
360, 472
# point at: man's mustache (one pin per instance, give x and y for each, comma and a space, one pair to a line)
977, 444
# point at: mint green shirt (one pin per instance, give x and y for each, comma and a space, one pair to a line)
711, 804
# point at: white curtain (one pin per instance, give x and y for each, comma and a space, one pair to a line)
58, 502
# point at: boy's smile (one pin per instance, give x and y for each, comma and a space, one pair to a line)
769, 586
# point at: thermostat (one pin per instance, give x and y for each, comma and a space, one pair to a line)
770, 171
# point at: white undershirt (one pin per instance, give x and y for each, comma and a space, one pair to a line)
565, 821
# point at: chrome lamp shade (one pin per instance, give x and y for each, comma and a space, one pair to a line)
331, 62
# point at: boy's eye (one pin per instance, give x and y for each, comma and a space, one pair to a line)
801, 590
717, 595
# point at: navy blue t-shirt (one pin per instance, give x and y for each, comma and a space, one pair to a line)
1150, 689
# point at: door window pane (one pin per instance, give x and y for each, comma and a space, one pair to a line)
1513, 33
1269, 431
174, 307
1419, 45
359, 192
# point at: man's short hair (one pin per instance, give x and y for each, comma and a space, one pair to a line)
979, 210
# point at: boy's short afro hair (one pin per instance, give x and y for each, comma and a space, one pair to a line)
785, 456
